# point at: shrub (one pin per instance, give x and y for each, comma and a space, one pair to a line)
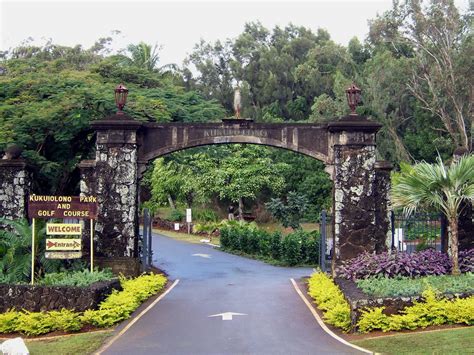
8, 321
296, 248
206, 215
81, 278
466, 260
405, 286
330, 300
176, 215
433, 310
427, 262
117, 307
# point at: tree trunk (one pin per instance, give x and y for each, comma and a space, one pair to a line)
241, 209
453, 241
171, 202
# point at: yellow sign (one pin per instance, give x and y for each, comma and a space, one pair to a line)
63, 229
63, 244
63, 255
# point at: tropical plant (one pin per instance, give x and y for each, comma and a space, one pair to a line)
439, 187
15, 251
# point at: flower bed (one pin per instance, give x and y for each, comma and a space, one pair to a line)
347, 307
118, 306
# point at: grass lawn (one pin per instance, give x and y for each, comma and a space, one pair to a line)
449, 341
185, 237
85, 343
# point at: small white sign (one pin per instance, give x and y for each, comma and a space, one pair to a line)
188, 215
176, 226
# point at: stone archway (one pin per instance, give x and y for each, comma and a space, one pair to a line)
347, 147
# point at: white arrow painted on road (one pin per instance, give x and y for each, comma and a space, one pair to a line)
207, 256
227, 315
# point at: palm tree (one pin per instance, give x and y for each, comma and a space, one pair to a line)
440, 187
144, 55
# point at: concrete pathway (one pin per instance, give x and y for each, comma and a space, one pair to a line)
275, 320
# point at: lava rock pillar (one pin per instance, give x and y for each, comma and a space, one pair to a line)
352, 151
116, 186
15, 184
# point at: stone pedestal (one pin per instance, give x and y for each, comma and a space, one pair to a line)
116, 186
15, 184
355, 202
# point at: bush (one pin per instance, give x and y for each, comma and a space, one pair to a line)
330, 300
117, 307
466, 260
427, 262
432, 311
296, 248
405, 286
206, 215
176, 216
76, 278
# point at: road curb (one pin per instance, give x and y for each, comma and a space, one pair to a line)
129, 325
321, 323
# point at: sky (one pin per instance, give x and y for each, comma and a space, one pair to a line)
176, 25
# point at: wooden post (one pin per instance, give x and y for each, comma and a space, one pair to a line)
92, 245
33, 228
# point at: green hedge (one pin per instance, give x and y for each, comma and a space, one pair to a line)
296, 248
117, 307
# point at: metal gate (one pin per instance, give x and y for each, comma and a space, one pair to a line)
145, 242
419, 231
326, 242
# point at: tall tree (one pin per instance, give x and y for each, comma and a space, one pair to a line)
441, 44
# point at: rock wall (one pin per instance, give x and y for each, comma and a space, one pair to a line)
15, 185
48, 298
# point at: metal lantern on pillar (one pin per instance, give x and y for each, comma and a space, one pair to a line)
353, 98
121, 93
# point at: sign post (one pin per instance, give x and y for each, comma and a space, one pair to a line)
33, 229
189, 219
48, 207
92, 245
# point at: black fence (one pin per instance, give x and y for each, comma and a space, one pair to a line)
326, 242
145, 241
417, 232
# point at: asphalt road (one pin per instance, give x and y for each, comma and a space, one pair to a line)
276, 320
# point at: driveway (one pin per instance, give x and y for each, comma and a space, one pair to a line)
273, 319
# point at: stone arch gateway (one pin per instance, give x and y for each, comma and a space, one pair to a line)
347, 147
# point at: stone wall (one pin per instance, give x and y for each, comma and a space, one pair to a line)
14, 188
48, 298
